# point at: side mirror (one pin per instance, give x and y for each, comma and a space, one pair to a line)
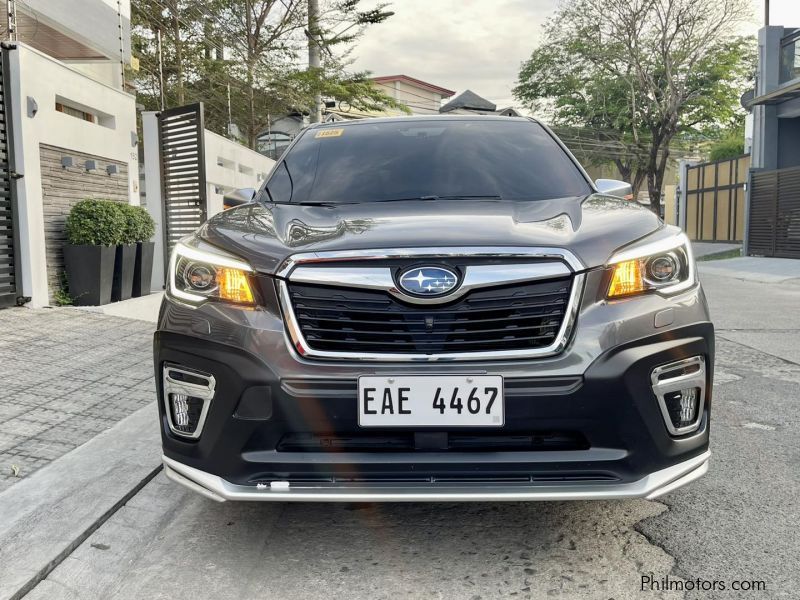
613, 187
238, 197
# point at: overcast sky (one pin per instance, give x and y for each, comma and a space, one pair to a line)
478, 44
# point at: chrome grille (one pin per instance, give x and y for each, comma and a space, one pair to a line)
522, 316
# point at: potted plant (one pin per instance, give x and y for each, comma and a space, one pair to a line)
142, 229
94, 228
125, 260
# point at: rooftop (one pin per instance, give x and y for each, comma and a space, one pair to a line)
445, 93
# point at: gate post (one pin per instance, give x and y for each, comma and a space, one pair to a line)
680, 205
746, 237
153, 193
175, 174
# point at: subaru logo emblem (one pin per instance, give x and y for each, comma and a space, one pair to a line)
428, 281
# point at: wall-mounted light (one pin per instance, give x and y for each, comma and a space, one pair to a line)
67, 161
33, 107
134, 139
90, 165
112, 169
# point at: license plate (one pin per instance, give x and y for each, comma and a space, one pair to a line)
431, 401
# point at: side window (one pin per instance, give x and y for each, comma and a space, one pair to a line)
280, 185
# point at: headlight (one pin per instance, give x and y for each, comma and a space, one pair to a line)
665, 266
197, 275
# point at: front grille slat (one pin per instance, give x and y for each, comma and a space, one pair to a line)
520, 316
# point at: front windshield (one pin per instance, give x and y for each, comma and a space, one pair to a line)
405, 159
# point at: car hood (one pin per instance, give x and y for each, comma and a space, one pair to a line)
590, 227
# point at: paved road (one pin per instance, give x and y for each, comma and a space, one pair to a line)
66, 376
738, 523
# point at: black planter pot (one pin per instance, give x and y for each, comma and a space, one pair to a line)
143, 270
124, 263
90, 273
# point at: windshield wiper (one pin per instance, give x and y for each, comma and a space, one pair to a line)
434, 197
325, 204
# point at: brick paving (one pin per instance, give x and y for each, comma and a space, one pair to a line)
65, 376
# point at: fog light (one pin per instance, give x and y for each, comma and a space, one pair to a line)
180, 409
187, 397
186, 411
680, 388
682, 406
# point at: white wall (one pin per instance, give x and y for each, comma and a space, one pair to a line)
240, 168
420, 101
41, 78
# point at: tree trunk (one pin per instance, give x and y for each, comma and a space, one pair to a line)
655, 177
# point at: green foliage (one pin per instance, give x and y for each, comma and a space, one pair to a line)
640, 75
728, 147
139, 225
251, 52
96, 222
61, 295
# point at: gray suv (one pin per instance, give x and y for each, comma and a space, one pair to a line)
440, 308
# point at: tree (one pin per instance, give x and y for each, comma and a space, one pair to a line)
641, 73
242, 58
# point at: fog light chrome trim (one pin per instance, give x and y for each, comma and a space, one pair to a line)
663, 384
196, 390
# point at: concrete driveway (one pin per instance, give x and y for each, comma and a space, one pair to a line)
735, 526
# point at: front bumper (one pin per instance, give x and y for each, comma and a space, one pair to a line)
627, 451
651, 486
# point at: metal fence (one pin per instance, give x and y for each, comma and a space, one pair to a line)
715, 205
9, 234
183, 176
774, 228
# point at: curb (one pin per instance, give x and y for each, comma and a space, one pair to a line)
50, 513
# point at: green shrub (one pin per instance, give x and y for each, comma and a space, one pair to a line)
96, 223
729, 147
140, 226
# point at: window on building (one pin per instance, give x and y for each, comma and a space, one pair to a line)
76, 112
790, 57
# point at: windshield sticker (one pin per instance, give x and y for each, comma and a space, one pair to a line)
324, 133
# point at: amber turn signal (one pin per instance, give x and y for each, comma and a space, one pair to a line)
627, 279
234, 285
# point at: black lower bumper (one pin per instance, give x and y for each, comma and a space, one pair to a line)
603, 428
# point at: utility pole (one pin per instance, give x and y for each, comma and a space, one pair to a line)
766, 13
314, 54
230, 118
11, 21
160, 68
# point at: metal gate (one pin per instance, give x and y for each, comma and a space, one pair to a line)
9, 235
183, 176
715, 200
774, 228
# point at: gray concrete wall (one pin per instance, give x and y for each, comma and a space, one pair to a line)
62, 188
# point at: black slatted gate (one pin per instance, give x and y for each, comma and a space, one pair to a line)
183, 176
9, 235
775, 213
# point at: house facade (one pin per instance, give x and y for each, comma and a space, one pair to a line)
776, 102
69, 130
773, 203
421, 97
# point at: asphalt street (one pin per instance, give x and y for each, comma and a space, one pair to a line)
737, 525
